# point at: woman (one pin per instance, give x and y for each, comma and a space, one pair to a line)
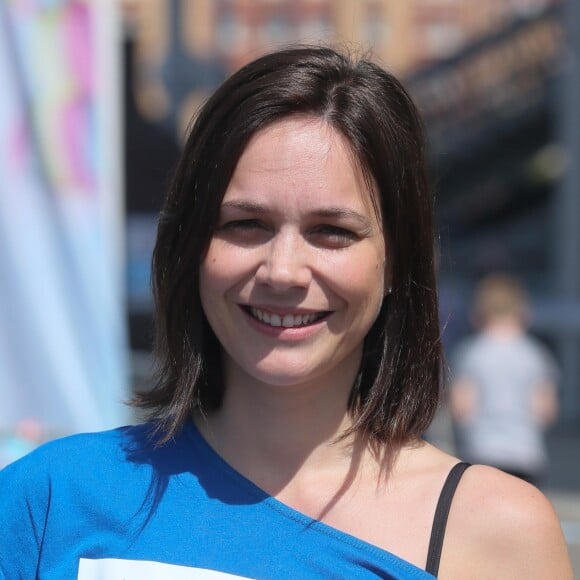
299, 355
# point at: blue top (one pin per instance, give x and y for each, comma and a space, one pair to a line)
111, 505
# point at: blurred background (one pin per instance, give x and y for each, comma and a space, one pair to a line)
96, 97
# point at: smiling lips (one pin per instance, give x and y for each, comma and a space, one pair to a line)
285, 320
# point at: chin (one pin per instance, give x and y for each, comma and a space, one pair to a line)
290, 374
282, 378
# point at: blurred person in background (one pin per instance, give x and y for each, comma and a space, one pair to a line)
300, 364
503, 394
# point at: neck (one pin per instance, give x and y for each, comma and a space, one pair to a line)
504, 327
272, 434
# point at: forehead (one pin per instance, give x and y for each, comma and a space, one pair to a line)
304, 158
302, 140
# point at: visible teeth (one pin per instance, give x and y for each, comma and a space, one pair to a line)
287, 321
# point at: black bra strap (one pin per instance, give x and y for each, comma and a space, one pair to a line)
440, 519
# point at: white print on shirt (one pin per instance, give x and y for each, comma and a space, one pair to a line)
115, 569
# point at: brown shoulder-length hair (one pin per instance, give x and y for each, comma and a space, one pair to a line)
397, 391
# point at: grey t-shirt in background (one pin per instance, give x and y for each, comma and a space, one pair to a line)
505, 372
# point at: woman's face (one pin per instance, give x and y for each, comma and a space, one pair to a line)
294, 276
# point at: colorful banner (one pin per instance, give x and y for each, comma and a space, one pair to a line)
63, 344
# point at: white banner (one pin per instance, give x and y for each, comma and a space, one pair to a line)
63, 338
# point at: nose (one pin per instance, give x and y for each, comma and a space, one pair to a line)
285, 263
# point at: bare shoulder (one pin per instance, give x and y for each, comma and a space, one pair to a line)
502, 527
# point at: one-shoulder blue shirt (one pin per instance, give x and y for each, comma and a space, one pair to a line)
112, 505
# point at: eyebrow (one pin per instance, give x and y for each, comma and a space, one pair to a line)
324, 212
246, 206
343, 212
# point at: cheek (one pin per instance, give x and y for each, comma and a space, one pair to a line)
224, 271
216, 268
372, 283
226, 260
368, 267
361, 282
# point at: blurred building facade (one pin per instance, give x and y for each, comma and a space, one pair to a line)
405, 35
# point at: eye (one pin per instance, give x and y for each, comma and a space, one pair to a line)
333, 236
249, 231
242, 225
